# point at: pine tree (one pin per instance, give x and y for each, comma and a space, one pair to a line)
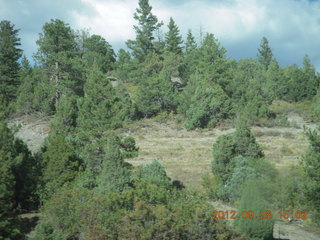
98, 50
114, 176
58, 54
210, 51
190, 59
173, 38
156, 93
252, 199
311, 166
9, 65
65, 119
265, 54
147, 25
190, 43
100, 110
207, 107
17, 181
60, 166
311, 77
229, 146
124, 65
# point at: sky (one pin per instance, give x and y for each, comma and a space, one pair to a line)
291, 26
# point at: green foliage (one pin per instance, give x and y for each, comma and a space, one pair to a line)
101, 109
114, 176
210, 52
245, 142
265, 54
59, 56
61, 166
223, 154
97, 50
253, 200
210, 184
315, 107
156, 92
65, 119
207, 107
155, 173
8, 230
228, 146
275, 86
128, 144
127, 69
291, 195
45, 231
301, 83
9, 66
18, 181
27, 172
248, 90
36, 93
241, 173
311, 167
190, 58
190, 44
173, 38
147, 25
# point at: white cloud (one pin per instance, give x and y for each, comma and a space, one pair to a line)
112, 19
292, 26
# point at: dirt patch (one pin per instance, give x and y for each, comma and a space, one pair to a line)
33, 129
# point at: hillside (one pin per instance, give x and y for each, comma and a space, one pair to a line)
186, 155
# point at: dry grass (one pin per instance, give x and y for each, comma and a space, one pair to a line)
187, 155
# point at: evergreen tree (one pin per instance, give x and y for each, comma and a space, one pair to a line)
155, 173
227, 147
253, 200
101, 109
60, 166
173, 38
312, 80
127, 68
300, 83
114, 175
246, 144
311, 166
207, 107
9, 65
59, 55
7, 184
265, 54
156, 93
275, 86
190, 43
241, 173
65, 119
18, 181
98, 50
147, 25
159, 42
210, 52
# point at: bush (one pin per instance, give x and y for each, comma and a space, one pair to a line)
253, 200
207, 107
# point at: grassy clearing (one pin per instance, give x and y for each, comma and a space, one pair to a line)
187, 155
